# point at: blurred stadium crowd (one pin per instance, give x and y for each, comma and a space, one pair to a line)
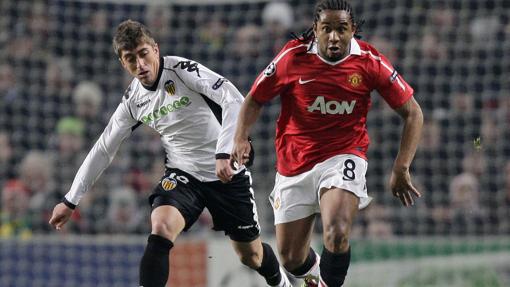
60, 81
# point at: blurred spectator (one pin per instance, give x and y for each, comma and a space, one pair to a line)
9, 96
8, 85
462, 103
246, 56
431, 136
69, 151
277, 20
14, 215
431, 48
20, 47
386, 48
443, 21
36, 175
465, 212
213, 36
490, 132
247, 42
430, 161
501, 213
98, 22
38, 25
464, 192
484, 30
124, 214
88, 99
158, 17
6, 158
378, 222
474, 163
144, 149
58, 76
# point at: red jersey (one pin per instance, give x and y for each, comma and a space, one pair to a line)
324, 104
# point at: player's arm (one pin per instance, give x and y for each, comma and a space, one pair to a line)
222, 92
248, 115
399, 95
400, 181
97, 160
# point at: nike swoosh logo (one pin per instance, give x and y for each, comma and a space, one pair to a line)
304, 82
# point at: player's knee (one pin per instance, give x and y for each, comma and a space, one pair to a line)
336, 236
163, 228
291, 259
251, 259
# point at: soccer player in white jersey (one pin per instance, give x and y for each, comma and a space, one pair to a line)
195, 110
324, 81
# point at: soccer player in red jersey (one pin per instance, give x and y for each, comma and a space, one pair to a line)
324, 80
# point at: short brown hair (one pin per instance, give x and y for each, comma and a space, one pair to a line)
129, 35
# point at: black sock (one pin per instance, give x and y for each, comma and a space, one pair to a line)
307, 265
154, 267
334, 267
269, 268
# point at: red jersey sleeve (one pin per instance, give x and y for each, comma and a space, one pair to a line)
390, 85
271, 81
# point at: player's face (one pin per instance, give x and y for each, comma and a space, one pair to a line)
142, 62
334, 31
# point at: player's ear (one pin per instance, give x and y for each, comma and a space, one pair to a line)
156, 49
314, 28
122, 63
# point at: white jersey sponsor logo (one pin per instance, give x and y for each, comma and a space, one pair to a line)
332, 107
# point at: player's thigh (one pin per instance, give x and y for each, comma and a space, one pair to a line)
233, 208
293, 238
179, 194
167, 221
338, 207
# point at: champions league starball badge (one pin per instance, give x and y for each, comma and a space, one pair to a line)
270, 70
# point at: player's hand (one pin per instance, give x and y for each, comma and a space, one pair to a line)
241, 151
402, 188
223, 170
61, 214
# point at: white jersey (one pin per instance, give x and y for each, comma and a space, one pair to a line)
185, 106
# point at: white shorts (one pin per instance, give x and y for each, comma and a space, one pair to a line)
296, 197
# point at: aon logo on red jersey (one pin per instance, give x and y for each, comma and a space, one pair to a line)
332, 107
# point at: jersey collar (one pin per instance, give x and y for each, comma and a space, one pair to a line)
155, 85
354, 50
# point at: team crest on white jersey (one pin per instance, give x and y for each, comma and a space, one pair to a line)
170, 87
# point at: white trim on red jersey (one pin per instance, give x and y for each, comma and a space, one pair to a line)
384, 65
278, 59
354, 50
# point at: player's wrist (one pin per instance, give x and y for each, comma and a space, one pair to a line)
222, 156
400, 168
68, 203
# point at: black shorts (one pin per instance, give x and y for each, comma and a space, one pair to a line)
232, 205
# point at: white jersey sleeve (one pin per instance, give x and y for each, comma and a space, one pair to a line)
218, 89
102, 153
